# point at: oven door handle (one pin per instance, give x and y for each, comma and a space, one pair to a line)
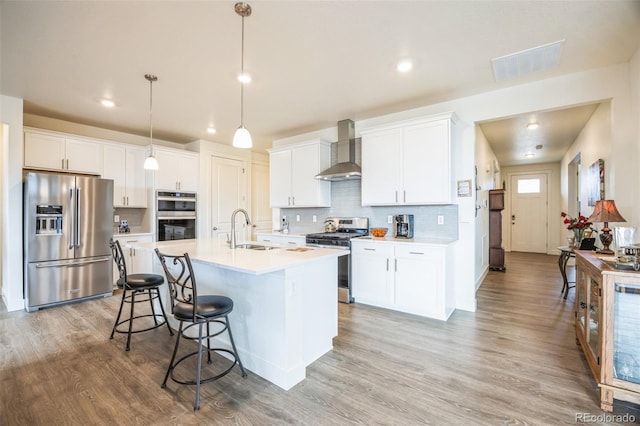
175, 217
183, 199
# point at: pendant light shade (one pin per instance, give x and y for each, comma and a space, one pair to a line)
242, 137
150, 163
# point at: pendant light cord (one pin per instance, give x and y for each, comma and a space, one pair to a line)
151, 113
242, 77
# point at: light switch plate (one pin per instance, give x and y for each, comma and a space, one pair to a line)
389, 219
116, 218
440, 220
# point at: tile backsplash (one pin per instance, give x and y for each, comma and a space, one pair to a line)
346, 201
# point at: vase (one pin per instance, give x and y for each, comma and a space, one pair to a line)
579, 234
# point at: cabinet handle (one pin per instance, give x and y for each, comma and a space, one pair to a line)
387, 263
293, 201
372, 249
62, 165
288, 201
123, 201
127, 200
291, 242
404, 196
67, 164
415, 252
267, 241
396, 196
395, 266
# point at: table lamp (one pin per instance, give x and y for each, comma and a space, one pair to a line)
606, 211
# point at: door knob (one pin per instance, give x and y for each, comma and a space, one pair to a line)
215, 228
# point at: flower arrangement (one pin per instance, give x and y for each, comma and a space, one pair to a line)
580, 226
579, 223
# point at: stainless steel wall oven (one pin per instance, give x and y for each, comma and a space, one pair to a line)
176, 215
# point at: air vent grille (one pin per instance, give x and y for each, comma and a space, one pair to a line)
528, 61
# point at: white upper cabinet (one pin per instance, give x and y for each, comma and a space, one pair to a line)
58, 152
408, 163
292, 171
177, 170
125, 165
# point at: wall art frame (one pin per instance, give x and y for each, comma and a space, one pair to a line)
595, 182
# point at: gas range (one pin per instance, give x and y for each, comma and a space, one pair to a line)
346, 229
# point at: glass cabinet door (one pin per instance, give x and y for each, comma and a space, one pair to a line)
626, 332
594, 314
581, 298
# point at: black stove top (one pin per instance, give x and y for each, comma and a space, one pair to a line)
340, 235
346, 228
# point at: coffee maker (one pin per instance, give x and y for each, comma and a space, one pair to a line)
403, 226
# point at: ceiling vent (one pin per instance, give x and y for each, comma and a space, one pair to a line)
528, 61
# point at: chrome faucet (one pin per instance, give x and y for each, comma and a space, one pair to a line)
232, 242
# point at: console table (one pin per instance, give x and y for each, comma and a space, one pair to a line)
566, 253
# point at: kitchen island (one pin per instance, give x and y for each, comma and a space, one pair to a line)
285, 312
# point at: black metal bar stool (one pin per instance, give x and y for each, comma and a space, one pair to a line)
146, 287
201, 310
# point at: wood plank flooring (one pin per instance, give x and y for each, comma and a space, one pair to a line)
514, 361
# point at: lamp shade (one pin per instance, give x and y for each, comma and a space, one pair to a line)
242, 138
150, 163
606, 211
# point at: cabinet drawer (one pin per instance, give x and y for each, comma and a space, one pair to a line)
371, 249
419, 252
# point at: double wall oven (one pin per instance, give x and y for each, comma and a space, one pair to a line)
176, 215
346, 228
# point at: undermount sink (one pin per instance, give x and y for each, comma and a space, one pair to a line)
254, 247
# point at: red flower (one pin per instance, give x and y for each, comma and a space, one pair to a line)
580, 223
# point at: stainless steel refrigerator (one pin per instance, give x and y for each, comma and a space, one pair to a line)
68, 221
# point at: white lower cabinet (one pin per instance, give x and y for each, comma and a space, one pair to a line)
282, 239
406, 277
138, 261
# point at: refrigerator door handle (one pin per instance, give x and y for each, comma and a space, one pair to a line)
73, 263
78, 216
71, 227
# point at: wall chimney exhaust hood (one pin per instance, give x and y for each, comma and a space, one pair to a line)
346, 168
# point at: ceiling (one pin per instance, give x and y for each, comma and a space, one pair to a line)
313, 63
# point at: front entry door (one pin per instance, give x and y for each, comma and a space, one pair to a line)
229, 189
529, 213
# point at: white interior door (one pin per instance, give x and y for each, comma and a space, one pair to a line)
260, 209
228, 192
529, 213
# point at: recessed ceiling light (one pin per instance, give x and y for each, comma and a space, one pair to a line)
404, 66
538, 146
211, 130
107, 103
244, 78
533, 125
529, 154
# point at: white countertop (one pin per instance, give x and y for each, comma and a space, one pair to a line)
217, 252
391, 240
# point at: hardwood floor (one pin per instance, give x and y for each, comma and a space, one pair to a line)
514, 361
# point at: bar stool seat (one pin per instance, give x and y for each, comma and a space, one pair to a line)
144, 285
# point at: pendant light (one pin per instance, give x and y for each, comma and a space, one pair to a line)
242, 137
151, 163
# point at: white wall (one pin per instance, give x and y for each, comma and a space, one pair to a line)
11, 192
487, 174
